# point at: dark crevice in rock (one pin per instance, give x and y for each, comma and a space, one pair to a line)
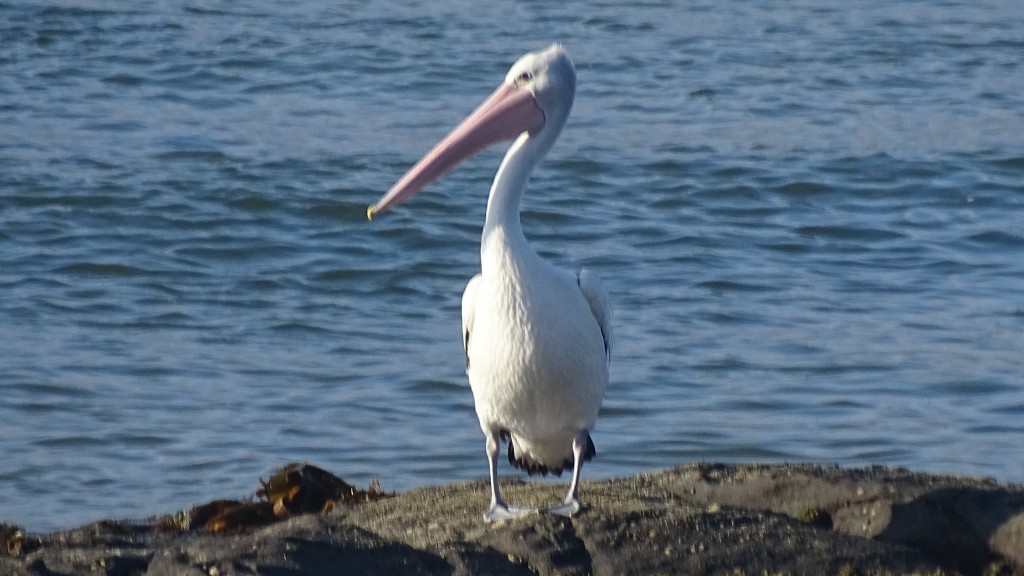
548, 545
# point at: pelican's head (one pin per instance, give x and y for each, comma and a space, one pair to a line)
550, 76
535, 98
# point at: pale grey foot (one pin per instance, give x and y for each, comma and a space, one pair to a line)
502, 511
499, 510
570, 505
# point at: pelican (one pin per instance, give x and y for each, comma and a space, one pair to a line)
537, 338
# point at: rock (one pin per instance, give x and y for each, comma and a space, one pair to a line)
963, 522
308, 544
693, 519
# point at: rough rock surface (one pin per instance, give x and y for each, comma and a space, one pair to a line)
693, 519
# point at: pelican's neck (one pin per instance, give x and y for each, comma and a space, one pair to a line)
507, 188
502, 224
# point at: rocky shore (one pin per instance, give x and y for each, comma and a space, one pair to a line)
692, 519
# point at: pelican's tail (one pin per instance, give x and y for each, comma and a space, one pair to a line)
544, 457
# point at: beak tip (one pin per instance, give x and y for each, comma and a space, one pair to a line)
369, 212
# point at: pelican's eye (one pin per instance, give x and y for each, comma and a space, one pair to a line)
523, 78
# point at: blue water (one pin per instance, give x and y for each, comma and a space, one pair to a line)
810, 218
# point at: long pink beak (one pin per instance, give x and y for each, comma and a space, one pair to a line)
504, 115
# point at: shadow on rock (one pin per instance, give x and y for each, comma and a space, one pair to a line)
973, 530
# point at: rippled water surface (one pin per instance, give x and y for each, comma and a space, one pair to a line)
810, 218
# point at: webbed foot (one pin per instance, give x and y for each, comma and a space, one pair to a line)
504, 512
568, 508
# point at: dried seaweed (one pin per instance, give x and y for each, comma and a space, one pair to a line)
297, 488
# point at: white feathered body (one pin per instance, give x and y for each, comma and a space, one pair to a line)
537, 341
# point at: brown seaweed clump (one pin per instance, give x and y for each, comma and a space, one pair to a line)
297, 488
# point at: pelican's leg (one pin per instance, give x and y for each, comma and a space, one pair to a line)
498, 510
571, 504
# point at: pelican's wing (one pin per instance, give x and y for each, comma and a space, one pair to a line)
469, 312
600, 306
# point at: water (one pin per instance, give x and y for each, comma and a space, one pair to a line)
810, 219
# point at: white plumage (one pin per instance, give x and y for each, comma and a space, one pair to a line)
537, 338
